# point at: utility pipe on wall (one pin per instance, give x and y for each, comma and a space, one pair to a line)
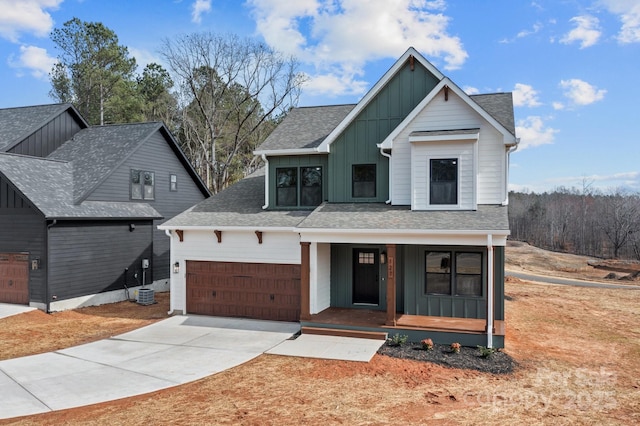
490, 274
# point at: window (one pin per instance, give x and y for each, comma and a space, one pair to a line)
463, 278
173, 183
468, 274
142, 185
438, 278
443, 181
298, 186
311, 186
364, 181
365, 258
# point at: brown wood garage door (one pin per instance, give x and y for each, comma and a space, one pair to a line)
249, 290
14, 278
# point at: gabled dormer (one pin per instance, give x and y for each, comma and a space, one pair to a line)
414, 139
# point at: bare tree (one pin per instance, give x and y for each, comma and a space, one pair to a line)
619, 218
230, 91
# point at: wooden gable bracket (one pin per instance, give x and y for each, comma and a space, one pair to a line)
218, 234
412, 64
259, 235
446, 93
180, 234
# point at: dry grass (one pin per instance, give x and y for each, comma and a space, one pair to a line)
578, 350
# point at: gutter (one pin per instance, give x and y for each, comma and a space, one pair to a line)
266, 182
511, 149
46, 287
384, 154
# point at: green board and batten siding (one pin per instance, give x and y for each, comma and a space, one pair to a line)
357, 144
410, 284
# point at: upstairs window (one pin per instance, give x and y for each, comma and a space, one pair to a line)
142, 185
298, 186
173, 183
364, 181
443, 185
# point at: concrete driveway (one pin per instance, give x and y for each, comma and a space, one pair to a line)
171, 352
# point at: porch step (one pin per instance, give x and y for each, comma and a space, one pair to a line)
377, 335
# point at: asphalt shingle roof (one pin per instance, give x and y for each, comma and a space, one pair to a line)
363, 216
305, 127
18, 123
500, 107
241, 205
238, 205
48, 184
96, 151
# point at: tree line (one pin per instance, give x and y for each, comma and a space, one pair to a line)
220, 96
583, 221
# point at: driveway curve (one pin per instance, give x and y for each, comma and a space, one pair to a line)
567, 281
168, 353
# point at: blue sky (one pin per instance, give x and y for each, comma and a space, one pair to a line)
573, 66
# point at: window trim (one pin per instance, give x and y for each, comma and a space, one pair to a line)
299, 186
375, 179
430, 181
453, 272
143, 192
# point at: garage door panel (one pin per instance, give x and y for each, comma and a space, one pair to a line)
14, 278
251, 290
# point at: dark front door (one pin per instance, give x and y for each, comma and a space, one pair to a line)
366, 274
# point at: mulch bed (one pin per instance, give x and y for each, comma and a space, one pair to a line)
468, 358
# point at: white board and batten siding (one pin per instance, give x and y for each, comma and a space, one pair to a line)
488, 162
279, 247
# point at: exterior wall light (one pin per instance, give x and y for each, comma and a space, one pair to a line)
383, 258
176, 268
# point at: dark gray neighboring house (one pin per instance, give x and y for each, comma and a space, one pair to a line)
80, 205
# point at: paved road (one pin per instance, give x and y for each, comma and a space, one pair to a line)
567, 281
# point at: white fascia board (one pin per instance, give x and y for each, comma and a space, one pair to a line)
442, 138
228, 228
425, 237
280, 152
324, 146
508, 138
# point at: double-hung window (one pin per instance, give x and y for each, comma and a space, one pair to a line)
363, 181
298, 186
142, 185
454, 273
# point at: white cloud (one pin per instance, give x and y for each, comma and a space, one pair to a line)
525, 33
629, 14
581, 93
532, 132
525, 95
143, 57
199, 7
470, 90
338, 37
624, 179
558, 105
34, 59
26, 16
587, 31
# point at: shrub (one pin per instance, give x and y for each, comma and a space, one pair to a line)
455, 347
486, 352
427, 344
397, 339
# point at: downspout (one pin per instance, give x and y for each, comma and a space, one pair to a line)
171, 261
266, 182
511, 149
46, 287
390, 173
490, 284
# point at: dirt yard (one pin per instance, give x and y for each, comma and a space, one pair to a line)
578, 351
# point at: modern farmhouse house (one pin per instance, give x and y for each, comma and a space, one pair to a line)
80, 205
388, 216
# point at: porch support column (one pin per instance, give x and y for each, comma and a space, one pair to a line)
490, 292
391, 284
305, 311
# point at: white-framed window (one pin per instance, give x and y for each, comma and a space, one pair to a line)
443, 181
173, 183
